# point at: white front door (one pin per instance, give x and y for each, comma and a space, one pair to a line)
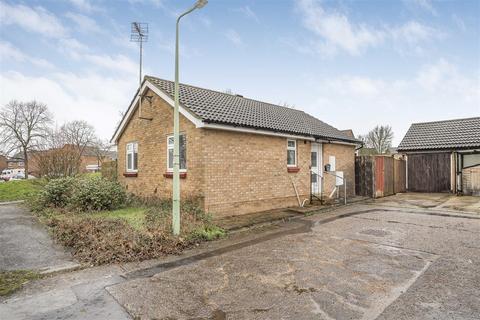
316, 165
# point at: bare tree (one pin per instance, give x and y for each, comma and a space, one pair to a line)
54, 158
102, 150
379, 138
22, 126
78, 135
62, 150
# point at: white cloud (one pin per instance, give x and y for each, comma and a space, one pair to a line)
115, 63
234, 37
84, 23
459, 22
413, 32
84, 5
336, 31
90, 97
247, 12
155, 3
36, 20
9, 52
422, 4
437, 91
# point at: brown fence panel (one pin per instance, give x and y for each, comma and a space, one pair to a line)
109, 170
400, 174
364, 176
379, 176
388, 176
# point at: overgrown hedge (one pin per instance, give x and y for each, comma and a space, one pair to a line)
87, 193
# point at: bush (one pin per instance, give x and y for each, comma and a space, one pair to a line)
100, 241
89, 193
57, 192
96, 193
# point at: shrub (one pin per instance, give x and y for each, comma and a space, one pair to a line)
100, 241
88, 193
96, 193
56, 193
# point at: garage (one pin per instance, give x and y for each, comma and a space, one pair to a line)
443, 156
429, 172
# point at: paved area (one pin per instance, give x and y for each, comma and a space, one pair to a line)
370, 263
358, 262
440, 201
25, 243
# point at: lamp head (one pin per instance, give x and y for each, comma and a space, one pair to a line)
201, 3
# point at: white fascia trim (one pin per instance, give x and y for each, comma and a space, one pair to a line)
197, 122
254, 131
338, 142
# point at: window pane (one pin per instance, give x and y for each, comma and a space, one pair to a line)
170, 141
291, 144
129, 161
135, 161
314, 177
170, 158
314, 159
290, 157
183, 152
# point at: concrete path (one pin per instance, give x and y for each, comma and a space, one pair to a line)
25, 243
357, 262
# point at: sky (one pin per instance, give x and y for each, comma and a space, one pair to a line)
352, 64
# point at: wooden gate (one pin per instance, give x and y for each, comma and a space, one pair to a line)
379, 176
429, 172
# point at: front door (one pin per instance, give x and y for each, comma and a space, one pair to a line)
316, 167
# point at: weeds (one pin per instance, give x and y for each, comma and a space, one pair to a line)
11, 281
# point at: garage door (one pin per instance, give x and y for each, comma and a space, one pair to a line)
429, 172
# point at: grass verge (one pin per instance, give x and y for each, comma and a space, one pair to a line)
20, 189
11, 281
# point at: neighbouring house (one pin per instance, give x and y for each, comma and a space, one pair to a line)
15, 162
92, 160
38, 161
443, 156
237, 155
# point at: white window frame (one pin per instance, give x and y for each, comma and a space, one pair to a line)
170, 147
294, 148
134, 149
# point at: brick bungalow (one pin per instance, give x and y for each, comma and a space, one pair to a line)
237, 154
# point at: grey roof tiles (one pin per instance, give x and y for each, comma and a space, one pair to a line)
233, 110
448, 134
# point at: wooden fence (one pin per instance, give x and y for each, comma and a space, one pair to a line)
109, 170
379, 176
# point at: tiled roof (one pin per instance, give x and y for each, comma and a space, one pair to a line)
228, 109
448, 134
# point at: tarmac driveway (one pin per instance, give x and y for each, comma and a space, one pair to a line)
358, 262
25, 244
367, 263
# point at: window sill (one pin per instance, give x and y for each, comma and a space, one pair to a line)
130, 174
169, 175
293, 169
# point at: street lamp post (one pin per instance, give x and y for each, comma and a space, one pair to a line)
176, 132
